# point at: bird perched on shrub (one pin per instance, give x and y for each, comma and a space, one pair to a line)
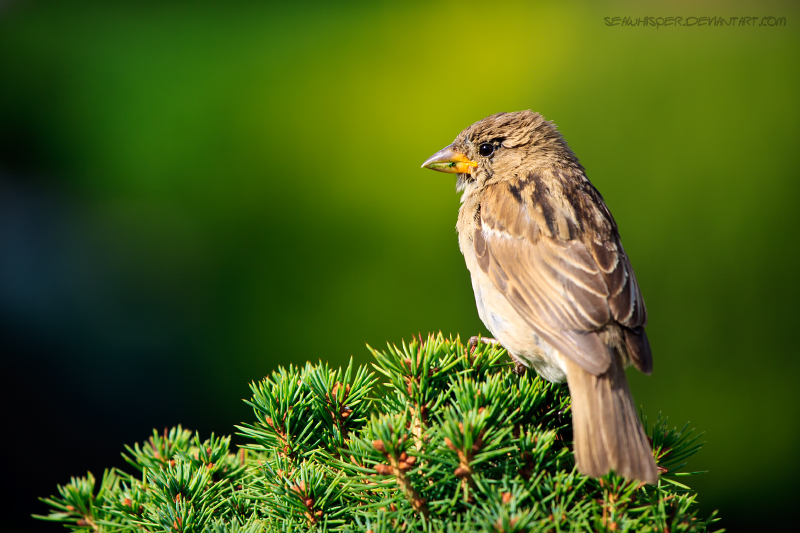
551, 279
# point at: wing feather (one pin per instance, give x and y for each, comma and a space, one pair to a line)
565, 285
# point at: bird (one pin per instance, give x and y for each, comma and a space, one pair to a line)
552, 281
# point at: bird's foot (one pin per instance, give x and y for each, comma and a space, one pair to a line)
519, 367
472, 343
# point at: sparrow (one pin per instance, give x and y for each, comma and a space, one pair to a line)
552, 281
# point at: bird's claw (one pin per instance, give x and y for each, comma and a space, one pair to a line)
519, 368
472, 343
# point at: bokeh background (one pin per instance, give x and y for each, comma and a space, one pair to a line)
192, 194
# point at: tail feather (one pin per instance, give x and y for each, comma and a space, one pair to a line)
606, 427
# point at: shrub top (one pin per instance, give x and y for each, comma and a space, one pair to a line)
448, 441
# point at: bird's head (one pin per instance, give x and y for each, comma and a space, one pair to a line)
501, 147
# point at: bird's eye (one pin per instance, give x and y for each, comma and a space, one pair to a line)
486, 149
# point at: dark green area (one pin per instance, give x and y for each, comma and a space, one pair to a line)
194, 194
453, 441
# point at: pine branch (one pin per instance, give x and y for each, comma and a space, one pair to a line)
451, 440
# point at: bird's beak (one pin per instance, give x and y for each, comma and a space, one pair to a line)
449, 160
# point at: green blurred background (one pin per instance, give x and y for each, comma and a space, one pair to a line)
194, 193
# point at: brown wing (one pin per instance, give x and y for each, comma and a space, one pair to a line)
550, 245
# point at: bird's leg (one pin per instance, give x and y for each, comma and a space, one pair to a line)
519, 367
473, 342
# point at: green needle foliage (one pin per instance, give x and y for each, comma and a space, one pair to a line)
451, 440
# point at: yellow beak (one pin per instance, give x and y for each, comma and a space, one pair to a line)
449, 160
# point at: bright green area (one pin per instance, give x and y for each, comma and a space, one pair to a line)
253, 172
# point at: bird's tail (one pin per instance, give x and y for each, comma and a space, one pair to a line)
607, 432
